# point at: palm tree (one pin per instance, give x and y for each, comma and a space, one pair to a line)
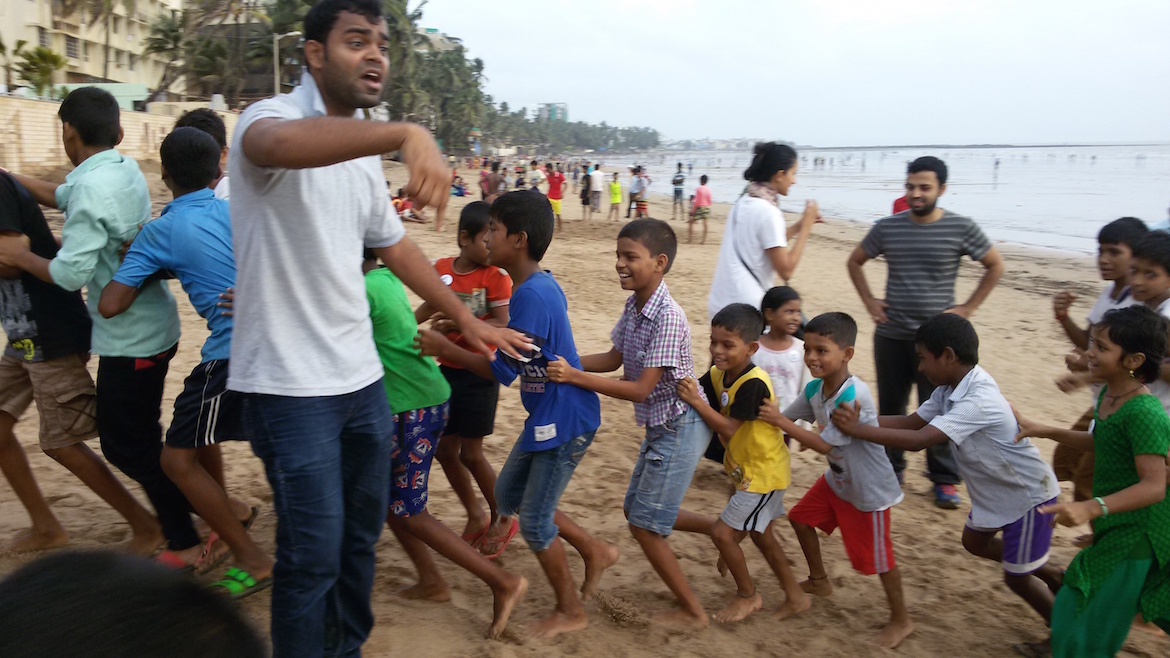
38, 66
8, 58
102, 11
168, 37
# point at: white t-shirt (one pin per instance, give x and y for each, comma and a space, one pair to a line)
1159, 387
596, 182
1005, 479
536, 177
223, 189
744, 272
302, 322
1103, 305
786, 369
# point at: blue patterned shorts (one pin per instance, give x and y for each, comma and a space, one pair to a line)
415, 440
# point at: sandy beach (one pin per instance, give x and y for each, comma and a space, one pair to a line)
958, 602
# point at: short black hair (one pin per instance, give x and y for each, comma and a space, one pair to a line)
206, 120
654, 234
929, 163
495, 166
190, 157
1126, 230
703, 179
322, 17
1154, 247
778, 296
526, 211
950, 330
1138, 329
474, 217
94, 114
840, 328
108, 599
741, 319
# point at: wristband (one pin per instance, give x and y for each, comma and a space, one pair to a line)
1101, 502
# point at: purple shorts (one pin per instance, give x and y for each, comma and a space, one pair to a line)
415, 439
1025, 541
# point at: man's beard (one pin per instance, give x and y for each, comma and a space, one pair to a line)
925, 211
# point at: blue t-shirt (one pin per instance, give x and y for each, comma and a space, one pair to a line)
557, 413
193, 239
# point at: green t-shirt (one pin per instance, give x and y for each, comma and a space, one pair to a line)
412, 381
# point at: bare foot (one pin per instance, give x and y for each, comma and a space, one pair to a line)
146, 543
893, 633
739, 608
818, 586
598, 560
793, 606
34, 539
505, 602
681, 620
557, 623
419, 592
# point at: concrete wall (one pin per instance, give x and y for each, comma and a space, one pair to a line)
30, 135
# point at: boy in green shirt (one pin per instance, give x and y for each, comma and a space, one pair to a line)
418, 395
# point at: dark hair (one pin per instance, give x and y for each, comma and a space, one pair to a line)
767, 159
777, 297
1154, 246
526, 211
703, 179
369, 254
929, 163
208, 121
190, 157
102, 604
94, 114
1138, 329
474, 217
680, 166
840, 328
321, 18
742, 319
950, 330
654, 234
1126, 231
534, 163
495, 166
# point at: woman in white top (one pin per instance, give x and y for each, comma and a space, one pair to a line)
755, 240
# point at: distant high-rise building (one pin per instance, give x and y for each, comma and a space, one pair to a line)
434, 40
553, 112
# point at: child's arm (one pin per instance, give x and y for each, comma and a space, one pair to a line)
84, 236
635, 391
770, 413
1060, 305
43, 191
1150, 489
724, 426
604, 362
432, 343
845, 418
116, 298
1076, 439
142, 262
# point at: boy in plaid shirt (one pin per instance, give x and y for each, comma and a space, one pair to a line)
652, 343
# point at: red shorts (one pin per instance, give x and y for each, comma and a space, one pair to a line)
866, 534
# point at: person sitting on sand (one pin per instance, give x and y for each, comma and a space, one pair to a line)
406, 209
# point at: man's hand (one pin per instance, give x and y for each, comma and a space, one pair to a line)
430, 179
961, 310
12, 249
846, 417
1061, 303
429, 342
228, 299
688, 391
877, 310
480, 336
560, 371
1073, 514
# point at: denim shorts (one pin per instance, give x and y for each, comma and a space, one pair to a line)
666, 463
530, 485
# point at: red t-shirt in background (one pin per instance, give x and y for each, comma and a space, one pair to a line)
483, 289
556, 185
901, 204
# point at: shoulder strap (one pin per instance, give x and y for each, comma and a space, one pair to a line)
735, 244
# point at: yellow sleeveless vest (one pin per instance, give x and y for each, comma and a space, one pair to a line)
756, 458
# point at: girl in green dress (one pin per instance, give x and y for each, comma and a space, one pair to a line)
1126, 570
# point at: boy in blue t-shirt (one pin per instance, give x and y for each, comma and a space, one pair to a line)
562, 419
192, 239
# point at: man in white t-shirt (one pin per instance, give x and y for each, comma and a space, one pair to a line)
596, 185
309, 195
536, 177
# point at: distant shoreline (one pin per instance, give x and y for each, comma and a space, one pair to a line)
977, 146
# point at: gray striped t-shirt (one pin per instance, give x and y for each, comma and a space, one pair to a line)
923, 260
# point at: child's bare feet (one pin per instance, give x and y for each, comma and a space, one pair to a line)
437, 592
681, 620
35, 539
557, 623
793, 606
739, 608
817, 586
602, 557
893, 633
505, 601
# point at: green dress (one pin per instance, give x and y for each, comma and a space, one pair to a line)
1127, 568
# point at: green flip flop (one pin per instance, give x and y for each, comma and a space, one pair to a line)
240, 584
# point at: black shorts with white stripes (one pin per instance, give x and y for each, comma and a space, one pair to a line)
206, 412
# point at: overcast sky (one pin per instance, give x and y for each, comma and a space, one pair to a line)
833, 72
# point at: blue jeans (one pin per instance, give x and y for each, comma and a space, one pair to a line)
530, 485
666, 463
328, 462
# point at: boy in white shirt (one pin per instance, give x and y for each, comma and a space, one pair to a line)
1008, 481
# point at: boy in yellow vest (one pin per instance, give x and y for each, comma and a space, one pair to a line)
756, 458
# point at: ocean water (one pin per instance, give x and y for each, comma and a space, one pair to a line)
1056, 197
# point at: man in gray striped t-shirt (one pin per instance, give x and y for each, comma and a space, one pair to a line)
922, 247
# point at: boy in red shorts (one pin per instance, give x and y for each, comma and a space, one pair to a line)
860, 487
